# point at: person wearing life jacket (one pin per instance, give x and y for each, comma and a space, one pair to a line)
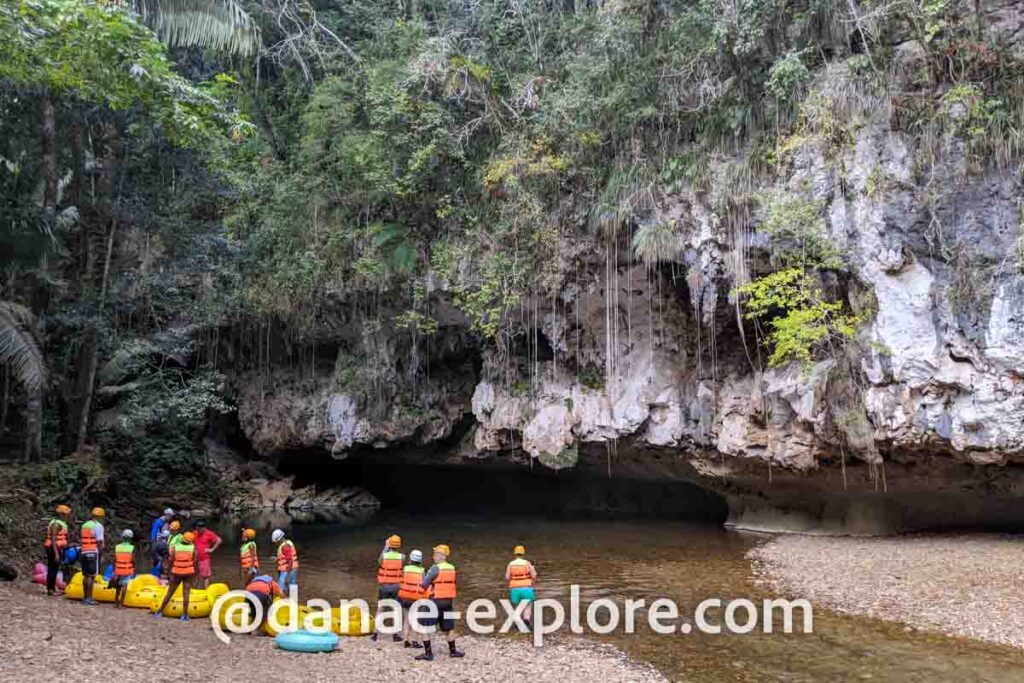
287, 560
440, 582
410, 590
248, 555
54, 544
184, 563
264, 589
389, 575
520, 576
124, 566
92, 551
175, 537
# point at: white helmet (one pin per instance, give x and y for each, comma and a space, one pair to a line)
416, 556
127, 533
277, 535
168, 512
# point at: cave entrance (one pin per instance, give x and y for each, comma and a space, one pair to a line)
505, 488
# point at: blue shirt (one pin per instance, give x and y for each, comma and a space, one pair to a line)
158, 525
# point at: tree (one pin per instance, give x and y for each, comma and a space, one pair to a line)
21, 353
220, 25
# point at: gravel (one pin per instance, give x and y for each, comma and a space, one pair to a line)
959, 585
53, 639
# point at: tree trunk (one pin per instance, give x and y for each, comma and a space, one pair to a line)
110, 177
34, 426
49, 163
6, 401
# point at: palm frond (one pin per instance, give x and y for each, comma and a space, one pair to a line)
214, 24
20, 348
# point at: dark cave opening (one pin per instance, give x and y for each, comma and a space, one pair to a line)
505, 488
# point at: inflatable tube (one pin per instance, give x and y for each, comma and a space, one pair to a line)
215, 590
348, 623
287, 619
306, 641
101, 592
198, 606
143, 597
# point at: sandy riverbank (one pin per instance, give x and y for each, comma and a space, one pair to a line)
54, 639
970, 586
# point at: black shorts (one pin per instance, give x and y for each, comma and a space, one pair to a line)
90, 564
387, 591
443, 622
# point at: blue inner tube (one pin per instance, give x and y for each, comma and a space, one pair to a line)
306, 641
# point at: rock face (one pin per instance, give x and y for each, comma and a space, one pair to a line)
929, 398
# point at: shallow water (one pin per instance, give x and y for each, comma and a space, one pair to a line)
641, 559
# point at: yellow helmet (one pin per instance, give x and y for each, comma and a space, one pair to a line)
188, 537
519, 550
98, 512
63, 509
248, 533
442, 548
175, 525
395, 541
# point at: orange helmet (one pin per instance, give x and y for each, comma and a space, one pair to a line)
175, 525
248, 533
188, 537
395, 541
519, 550
63, 509
443, 548
98, 512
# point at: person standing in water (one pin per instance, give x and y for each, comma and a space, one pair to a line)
183, 570
248, 555
440, 581
92, 551
520, 576
54, 544
411, 590
124, 566
287, 560
389, 575
207, 543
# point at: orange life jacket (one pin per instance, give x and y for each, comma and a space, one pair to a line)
411, 587
444, 584
62, 534
184, 560
389, 571
264, 585
282, 561
249, 556
519, 574
89, 543
124, 559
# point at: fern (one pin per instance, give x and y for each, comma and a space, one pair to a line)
20, 348
215, 24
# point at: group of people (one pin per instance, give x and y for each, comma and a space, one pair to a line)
407, 581
183, 556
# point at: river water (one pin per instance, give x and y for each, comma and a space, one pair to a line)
642, 559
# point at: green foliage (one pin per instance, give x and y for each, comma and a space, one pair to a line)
787, 75
98, 53
799, 232
800, 322
655, 243
170, 399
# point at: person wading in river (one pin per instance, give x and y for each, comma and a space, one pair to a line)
389, 575
92, 551
410, 590
248, 555
520, 575
124, 566
183, 570
54, 544
440, 581
287, 560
